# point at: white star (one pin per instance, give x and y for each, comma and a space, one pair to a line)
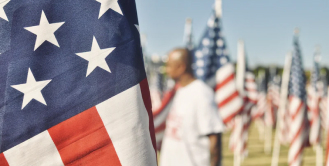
109, 4
31, 89
45, 31
2, 11
96, 57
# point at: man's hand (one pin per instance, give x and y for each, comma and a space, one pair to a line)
215, 149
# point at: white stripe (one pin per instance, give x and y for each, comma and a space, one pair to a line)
224, 72
296, 124
127, 123
231, 107
225, 92
38, 150
294, 148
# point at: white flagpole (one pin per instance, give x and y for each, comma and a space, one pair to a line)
282, 107
240, 77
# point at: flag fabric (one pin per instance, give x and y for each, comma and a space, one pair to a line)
273, 97
212, 64
323, 91
156, 90
73, 85
315, 120
239, 135
327, 132
259, 111
298, 131
160, 115
247, 87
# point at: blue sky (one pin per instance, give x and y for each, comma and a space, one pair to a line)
265, 26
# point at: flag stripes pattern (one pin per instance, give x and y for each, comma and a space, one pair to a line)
273, 97
74, 85
93, 137
239, 135
315, 121
298, 131
212, 65
262, 106
160, 115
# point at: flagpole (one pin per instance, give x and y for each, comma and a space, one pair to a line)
240, 77
282, 107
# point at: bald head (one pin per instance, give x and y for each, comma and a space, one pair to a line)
179, 63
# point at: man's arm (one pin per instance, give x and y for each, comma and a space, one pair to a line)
215, 149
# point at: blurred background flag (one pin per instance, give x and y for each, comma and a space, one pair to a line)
160, 115
74, 85
273, 97
315, 121
324, 98
298, 132
212, 64
247, 87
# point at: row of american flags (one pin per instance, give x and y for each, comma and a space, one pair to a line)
243, 98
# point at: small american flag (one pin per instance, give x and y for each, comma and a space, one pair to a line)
273, 96
298, 132
212, 64
248, 90
262, 105
160, 115
315, 120
73, 84
323, 99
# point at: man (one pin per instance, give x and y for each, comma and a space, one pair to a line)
193, 127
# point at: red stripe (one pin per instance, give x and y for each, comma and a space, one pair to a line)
83, 140
297, 154
297, 134
148, 105
297, 111
223, 83
161, 128
3, 161
229, 118
227, 100
166, 99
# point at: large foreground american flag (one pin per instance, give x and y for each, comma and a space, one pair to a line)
298, 131
73, 86
212, 64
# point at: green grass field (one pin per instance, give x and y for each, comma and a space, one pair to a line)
257, 157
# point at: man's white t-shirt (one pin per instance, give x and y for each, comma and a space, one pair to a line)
193, 116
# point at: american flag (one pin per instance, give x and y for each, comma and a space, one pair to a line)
315, 121
262, 105
156, 89
298, 131
273, 97
212, 64
73, 84
248, 90
160, 115
323, 99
